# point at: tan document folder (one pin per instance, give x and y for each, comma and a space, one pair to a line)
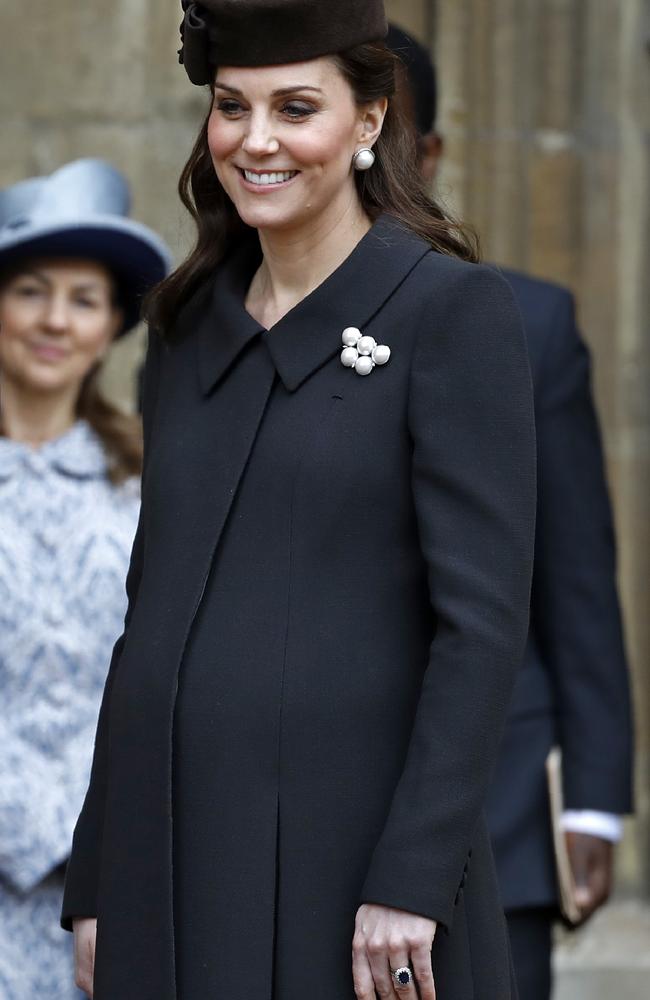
566, 883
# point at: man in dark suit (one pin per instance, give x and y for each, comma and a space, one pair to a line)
572, 689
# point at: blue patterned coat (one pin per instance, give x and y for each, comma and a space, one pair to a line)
65, 539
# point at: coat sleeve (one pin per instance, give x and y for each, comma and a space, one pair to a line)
575, 604
40, 790
82, 875
473, 481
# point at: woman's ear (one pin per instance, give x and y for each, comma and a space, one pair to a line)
114, 327
117, 323
371, 121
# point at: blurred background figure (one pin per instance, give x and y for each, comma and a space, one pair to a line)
572, 689
73, 269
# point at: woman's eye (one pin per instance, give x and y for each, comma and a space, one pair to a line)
295, 110
28, 291
87, 303
229, 107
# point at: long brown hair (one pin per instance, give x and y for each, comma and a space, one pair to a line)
393, 185
120, 433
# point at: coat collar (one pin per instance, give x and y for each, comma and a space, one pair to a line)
310, 334
224, 326
77, 453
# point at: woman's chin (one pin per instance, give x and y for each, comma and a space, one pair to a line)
263, 215
41, 379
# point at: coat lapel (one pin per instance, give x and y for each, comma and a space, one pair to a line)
224, 327
310, 335
205, 431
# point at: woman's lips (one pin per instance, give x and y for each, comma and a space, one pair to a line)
49, 352
266, 180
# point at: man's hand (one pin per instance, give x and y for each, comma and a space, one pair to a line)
592, 863
85, 934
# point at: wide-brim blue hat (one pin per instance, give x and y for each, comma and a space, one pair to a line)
81, 210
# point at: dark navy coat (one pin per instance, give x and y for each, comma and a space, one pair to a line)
573, 687
329, 599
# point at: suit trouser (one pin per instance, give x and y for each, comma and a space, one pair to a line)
531, 943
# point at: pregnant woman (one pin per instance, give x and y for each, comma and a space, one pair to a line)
329, 587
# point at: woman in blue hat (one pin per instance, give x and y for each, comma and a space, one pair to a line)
72, 269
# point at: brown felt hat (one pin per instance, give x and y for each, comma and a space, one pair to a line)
272, 32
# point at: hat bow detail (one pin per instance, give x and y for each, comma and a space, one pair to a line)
194, 53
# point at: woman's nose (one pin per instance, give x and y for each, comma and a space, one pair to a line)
56, 314
259, 139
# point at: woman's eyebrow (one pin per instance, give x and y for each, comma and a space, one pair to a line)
32, 272
282, 92
224, 86
87, 286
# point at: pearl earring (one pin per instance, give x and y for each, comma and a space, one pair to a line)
363, 159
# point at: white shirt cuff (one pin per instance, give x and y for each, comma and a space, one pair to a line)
607, 826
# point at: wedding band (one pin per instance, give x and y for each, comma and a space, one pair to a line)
403, 976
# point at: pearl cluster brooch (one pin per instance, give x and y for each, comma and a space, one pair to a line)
362, 353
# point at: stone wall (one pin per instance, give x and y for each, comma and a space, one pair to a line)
543, 113
101, 78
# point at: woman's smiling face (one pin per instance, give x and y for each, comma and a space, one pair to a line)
57, 319
282, 140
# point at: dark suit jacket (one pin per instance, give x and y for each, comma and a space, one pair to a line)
345, 563
573, 685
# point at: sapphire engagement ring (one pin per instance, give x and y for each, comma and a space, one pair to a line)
403, 977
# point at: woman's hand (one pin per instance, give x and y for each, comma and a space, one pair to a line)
386, 939
85, 934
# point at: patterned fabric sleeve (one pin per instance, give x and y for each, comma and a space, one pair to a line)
39, 794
